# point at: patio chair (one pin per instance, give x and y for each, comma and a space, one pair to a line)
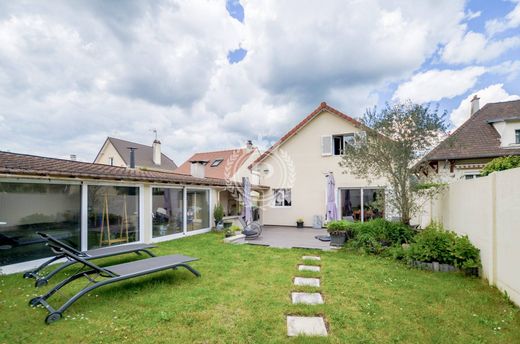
251, 230
87, 255
110, 274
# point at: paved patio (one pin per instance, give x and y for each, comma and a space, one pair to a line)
289, 237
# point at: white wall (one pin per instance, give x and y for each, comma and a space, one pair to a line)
507, 132
487, 209
298, 164
108, 151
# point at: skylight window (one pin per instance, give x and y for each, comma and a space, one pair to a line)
216, 162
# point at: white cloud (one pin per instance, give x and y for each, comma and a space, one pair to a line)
510, 21
71, 75
434, 85
472, 46
491, 94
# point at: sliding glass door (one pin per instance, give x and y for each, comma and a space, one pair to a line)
167, 211
197, 212
361, 204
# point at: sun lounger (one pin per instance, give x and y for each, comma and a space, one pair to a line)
87, 255
101, 276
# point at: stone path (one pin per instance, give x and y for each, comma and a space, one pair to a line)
307, 298
307, 326
309, 268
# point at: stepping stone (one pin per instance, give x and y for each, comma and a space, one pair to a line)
311, 258
307, 282
307, 298
306, 326
309, 268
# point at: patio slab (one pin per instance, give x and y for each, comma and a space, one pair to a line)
307, 298
290, 237
309, 268
307, 282
311, 258
306, 326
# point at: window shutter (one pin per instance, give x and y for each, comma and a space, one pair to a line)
326, 145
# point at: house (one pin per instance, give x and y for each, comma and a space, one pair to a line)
117, 152
490, 132
92, 205
227, 165
295, 169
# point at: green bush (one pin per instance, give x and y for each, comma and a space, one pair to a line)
375, 236
432, 245
341, 226
501, 164
435, 244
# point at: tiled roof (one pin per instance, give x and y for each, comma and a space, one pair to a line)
477, 138
232, 160
143, 155
30, 165
323, 107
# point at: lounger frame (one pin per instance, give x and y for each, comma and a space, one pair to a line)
110, 278
44, 280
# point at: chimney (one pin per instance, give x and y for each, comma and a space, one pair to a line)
156, 149
475, 106
198, 169
132, 156
249, 145
73, 157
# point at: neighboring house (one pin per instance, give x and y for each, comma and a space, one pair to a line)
296, 166
227, 165
117, 152
490, 132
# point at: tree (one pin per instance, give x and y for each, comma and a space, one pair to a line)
395, 139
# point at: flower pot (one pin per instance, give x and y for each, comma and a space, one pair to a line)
337, 239
299, 224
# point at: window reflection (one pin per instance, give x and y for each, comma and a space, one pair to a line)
27, 208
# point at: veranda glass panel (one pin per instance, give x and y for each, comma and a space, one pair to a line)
113, 215
167, 207
197, 209
26, 208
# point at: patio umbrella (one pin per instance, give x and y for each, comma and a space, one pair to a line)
332, 211
248, 214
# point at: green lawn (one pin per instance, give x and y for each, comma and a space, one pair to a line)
243, 296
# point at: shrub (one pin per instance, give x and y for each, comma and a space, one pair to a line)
375, 236
501, 164
341, 226
432, 245
435, 244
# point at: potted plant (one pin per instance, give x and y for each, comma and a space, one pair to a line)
299, 223
218, 215
231, 231
338, 232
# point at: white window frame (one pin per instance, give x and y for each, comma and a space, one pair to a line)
141, 209
150, 206
274, 198
361, 195
210, 212
33, 264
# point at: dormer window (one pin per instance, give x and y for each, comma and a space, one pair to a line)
517, 136
216, 162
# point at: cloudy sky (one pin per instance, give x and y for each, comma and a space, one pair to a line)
209, 74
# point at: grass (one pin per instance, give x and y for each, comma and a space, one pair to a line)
244, 296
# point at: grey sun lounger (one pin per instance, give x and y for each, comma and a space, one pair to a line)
101, 276
87, 255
